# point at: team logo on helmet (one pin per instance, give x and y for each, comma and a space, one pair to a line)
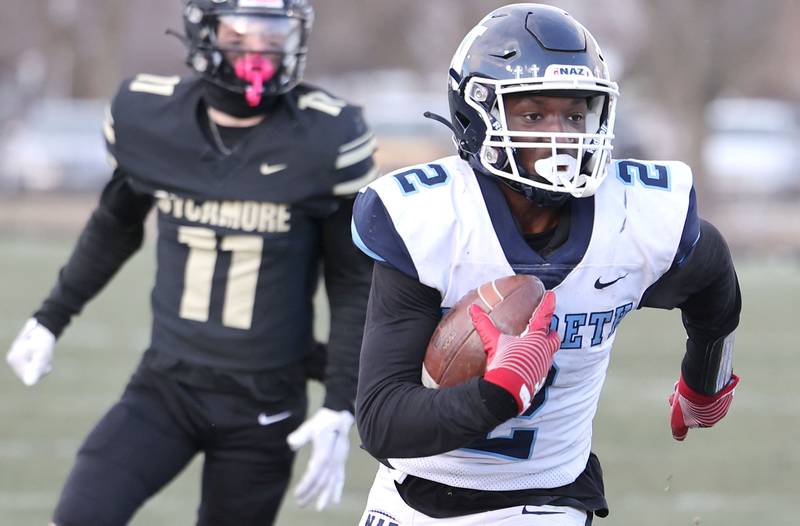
559, 70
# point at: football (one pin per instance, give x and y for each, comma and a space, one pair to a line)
455, 352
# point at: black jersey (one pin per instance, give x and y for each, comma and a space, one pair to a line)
241, 234
238, 231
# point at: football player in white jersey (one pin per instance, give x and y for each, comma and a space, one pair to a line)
533, 190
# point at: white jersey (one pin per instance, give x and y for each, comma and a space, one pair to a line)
452, 230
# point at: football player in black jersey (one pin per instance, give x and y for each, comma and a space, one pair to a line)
252, 174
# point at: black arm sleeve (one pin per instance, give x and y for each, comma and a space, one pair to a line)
393, 409
706, 290
347, 281
113, 233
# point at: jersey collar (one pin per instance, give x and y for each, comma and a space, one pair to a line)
522, 258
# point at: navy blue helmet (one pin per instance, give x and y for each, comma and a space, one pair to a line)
539, 50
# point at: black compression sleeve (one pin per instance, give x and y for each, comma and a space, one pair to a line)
396, 416
706, 290
113, 233
347, 282
498, 401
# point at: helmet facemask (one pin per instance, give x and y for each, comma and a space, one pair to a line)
253, 52
537, 52
577, 162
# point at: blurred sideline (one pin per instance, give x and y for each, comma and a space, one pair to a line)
755, 229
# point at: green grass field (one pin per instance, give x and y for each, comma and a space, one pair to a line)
744, 472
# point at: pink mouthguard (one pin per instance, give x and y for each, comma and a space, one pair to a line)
256, 70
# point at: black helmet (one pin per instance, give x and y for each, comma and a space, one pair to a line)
538, 49
291, 20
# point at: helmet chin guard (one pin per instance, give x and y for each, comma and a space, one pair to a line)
536, 50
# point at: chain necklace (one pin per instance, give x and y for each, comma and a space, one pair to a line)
217, 137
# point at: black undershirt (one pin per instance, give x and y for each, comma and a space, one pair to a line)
230, 136
545, 243
394, 410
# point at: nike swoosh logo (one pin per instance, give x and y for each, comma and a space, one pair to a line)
264, 419
600, 286
526, 512
269, 169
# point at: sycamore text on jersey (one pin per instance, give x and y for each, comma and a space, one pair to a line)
248, 216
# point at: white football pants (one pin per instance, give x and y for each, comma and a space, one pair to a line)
385, 507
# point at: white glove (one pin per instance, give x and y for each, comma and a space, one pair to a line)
324, 476
31, 354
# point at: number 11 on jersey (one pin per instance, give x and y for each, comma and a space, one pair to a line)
240, 290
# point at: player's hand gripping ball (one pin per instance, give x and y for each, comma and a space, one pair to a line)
455, 352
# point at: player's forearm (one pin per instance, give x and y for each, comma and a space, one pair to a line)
399, 419
393, 409
348, 291
344, 346
113, 233
101, 250
706, 290
348, 274
710, 316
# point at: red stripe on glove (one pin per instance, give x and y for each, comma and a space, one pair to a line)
690, 409
519, 364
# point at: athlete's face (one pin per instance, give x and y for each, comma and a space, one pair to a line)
536, 113
267, 37
257, 48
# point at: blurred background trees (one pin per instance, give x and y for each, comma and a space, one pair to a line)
81, 48
672, 58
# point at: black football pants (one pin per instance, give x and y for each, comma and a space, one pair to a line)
155, 430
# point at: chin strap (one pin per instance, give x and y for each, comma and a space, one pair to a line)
233, 102
537, 196
461, 145
173, 33
438, 118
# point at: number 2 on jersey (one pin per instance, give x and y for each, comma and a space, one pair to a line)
519, 444
428, 176
240, 292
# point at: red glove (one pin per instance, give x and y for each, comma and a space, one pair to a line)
690, 409
519, 364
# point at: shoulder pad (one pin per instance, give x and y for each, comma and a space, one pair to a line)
313, 99
411, 196
145, 88
163, 86
666, 190
126, 102
374, 233
342, 127
354, 164
145, 95
147, 108
656, 175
